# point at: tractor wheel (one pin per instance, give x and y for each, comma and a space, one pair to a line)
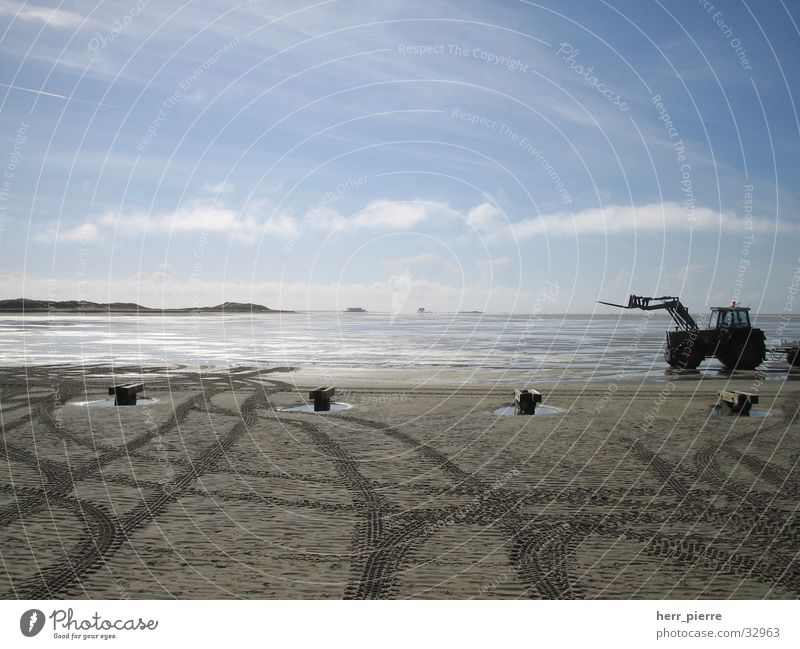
745, 352
793, 356
684, 355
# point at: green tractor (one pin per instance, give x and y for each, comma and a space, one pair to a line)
730, 338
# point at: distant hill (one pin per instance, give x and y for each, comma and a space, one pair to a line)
235, 306
24, 305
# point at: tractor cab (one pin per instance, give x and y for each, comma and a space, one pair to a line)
730, 317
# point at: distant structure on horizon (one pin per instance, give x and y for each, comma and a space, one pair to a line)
421, 309
355, 309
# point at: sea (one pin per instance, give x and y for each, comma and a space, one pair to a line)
557, 347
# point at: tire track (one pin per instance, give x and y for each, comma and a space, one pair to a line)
463, 479
102, 535
387, 551
772, 473
541, 561
49, 469
764, 522
705, 459
693, 551
65, 483
44, 415
389, 554
155, 504
59, 579
371, 505
663, 470
386, 540
492, 507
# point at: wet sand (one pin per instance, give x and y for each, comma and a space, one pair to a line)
633, 491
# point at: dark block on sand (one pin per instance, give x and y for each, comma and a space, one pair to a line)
525, 401
738, 402
322, 398
125, 395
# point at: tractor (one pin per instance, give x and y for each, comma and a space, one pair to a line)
730, 338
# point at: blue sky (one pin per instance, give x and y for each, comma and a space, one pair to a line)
391, 155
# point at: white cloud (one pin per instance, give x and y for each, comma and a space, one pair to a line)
485, 217
324, 218
260, 219
652, 217
193, 218
201, 217
52, 231
248, 225
188, 219
47, 15
379, 215
396, 215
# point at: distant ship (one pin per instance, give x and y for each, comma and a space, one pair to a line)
355, 309
421, 309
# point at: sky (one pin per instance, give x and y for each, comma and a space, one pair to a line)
512, 156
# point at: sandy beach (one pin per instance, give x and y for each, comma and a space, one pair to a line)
632, 490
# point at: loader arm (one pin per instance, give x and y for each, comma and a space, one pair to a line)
680, 314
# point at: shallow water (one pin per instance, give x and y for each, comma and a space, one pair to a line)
559, 347
309, 407
109, 403
539, 412
723, 411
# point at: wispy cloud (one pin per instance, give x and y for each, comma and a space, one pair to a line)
382, 215
651, 217
44, 93
260, 218
55, 17
52, 231
201, 217
397, 215
486, 217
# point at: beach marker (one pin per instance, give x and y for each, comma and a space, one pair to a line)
738, 402
525, 401
322, 398
125, 395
